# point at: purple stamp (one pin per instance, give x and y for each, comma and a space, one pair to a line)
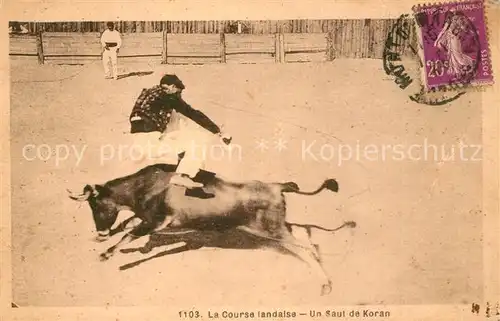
454, 44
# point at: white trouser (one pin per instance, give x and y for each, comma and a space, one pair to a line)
107, 57
188, 138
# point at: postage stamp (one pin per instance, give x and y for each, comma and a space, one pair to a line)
454, 45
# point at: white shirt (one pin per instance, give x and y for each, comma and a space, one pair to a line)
111, 36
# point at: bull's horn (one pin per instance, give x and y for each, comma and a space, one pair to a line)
79, 197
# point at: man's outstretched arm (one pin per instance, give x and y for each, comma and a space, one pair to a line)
197, 116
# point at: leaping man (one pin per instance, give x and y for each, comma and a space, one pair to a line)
162, 120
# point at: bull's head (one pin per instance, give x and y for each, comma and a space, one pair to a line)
104, 209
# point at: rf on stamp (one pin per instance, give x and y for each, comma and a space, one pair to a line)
111, 42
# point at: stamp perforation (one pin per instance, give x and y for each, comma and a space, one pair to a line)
486, 12
443, 3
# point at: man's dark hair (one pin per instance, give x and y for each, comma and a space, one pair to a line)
172, 80
110, 24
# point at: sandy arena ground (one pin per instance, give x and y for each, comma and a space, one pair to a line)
418, 238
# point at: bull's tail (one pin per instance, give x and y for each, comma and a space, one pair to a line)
292, 187
309, 227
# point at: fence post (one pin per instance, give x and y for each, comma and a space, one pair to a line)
164, 53
279, 53
39, 47
329, 46
222, 47
277, 47
282, 45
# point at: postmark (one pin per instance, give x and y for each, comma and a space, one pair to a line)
404, 65
453, 45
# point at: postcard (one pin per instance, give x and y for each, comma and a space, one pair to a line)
251, 161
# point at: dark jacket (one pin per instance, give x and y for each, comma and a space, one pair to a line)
153, 108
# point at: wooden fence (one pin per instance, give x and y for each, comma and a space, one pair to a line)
209, 26
348, 39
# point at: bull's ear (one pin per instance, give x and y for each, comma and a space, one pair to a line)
88, 188
101, 191
97, 190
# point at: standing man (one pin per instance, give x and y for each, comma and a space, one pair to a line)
111, 42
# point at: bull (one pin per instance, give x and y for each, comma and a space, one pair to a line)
254, 207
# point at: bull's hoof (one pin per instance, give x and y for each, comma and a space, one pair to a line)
100, 239
146, 248
104, 256
326, 288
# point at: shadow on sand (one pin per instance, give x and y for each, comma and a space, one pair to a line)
194, 240
135, 73
69, 64
223, 239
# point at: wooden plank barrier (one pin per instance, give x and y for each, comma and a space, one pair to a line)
304, 47
249, 48
336, 41
193, 48
23, 45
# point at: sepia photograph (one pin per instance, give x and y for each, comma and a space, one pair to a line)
256, 169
